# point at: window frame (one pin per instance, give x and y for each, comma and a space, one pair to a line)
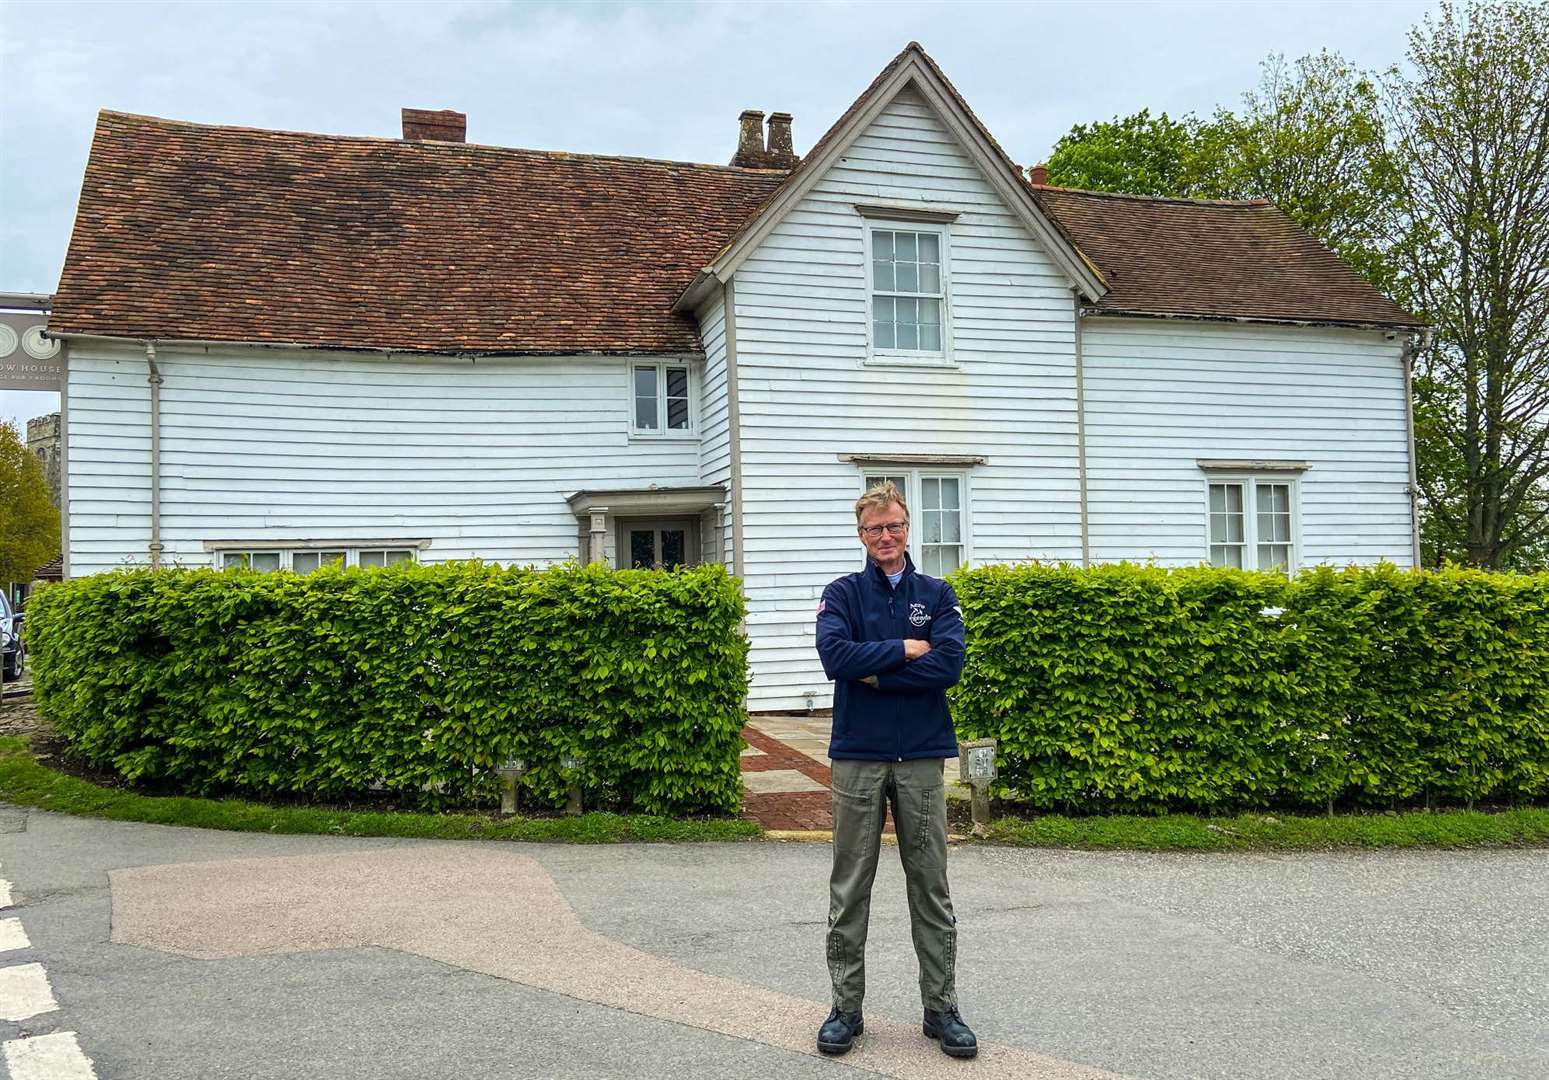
914, 477
1249, 482
908, 358
287, 553
663, 432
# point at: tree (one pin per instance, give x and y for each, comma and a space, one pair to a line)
29, 523
1140, 154
1310, 139
1469, 123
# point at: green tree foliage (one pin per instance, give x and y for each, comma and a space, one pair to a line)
1141, 154
29, 523
1470, 131
414, 680
1310, 139
1124, 687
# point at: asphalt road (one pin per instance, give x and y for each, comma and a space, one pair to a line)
175, 953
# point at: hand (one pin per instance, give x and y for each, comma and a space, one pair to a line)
871, 680
914, 648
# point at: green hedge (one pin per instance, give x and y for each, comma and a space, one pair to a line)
1127, 687
413, 679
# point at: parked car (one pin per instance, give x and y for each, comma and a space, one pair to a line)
13, 656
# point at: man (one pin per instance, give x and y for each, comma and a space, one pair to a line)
892, 640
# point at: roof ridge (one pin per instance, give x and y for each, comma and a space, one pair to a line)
551, 154
1152, 198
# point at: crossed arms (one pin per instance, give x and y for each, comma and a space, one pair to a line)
898, 664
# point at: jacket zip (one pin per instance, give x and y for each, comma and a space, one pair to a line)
898, 720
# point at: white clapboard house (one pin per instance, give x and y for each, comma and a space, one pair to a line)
289, 348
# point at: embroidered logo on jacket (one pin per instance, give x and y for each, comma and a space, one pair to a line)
917, 616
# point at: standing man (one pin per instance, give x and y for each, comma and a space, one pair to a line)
892, 640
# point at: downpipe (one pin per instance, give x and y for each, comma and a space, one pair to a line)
155, 380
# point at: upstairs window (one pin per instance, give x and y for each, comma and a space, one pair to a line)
908, 292
662, 399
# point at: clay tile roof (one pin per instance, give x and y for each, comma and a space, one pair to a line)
1244, 260
235, 234
53, 570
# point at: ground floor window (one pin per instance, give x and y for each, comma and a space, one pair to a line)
938, 534
1252, 523
306, 560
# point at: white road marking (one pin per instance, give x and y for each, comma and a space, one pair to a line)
24, 992
48, 1057
5, 893
12, 936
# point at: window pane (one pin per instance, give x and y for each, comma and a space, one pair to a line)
930, 279
233, 559
908, 277
642, 548
929, 311
931, 520
882, 244
884, 309
930, 493
908, 336
645, 382
265, 560
399, 556
645, 413
903, 247
900, 482
884, 336
677, 413
930, 248
1226, 555
373, 558
674, 543
882, 274
1217, 499
930, 338
949, 485
677, 399
304, 562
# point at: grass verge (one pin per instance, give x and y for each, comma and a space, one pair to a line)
25, 782
1278, 832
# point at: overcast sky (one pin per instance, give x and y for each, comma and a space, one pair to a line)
660, 80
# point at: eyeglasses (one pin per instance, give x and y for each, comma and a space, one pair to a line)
894, 528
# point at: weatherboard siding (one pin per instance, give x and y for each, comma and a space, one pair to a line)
263, 444
806, 396
715, 425
1160, 395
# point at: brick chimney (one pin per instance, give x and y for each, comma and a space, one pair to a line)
750, 140
780, 154
1038, 174
430, 125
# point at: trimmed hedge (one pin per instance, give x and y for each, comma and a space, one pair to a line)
1128, 687
414, 679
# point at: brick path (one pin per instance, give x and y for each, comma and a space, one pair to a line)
785, 773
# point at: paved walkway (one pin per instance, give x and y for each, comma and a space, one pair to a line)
179, 954
786, 776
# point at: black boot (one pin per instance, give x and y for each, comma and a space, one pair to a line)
838, 1032
957, 1038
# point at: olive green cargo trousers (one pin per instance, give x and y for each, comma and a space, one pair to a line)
862, 792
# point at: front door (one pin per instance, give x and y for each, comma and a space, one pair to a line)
658, 544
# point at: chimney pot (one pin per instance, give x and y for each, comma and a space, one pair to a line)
780, 154
435, 125
1039, 174
750, 140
